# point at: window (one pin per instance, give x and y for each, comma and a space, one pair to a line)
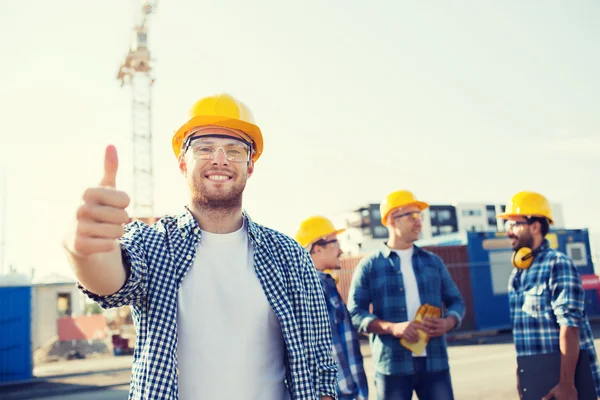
578, 253
444, 215
446, 229
63, 304
491, 215
366, 217
471, 213
380, 232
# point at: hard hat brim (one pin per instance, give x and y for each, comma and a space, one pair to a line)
336, 232
507, 216
249, 129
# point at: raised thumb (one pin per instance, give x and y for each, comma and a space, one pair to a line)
111, 165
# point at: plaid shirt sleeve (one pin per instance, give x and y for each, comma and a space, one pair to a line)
327, 370
359, 296
133, 291
346, 347
567, 295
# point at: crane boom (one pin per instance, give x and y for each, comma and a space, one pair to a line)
136, 71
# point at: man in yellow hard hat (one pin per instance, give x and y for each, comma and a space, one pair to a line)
546, 297
395, 281
318, 235
224, 308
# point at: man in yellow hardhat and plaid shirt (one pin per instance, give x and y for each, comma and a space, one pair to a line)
394, 282
224, 308
546, 296
318, 235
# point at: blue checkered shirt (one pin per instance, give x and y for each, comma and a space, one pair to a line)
346, 348
378, 281
544, 297
159, 257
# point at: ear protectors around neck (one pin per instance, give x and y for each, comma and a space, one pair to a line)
523, 257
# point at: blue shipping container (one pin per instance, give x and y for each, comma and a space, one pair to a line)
15, 334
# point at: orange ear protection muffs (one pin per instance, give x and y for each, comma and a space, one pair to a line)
523, 257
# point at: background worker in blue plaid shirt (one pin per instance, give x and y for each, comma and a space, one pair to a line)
395, 281
547, 300
224, 308
319, 236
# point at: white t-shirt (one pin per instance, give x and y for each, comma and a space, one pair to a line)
230, 344
411, 288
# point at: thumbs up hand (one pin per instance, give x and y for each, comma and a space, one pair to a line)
111, 165
100, 218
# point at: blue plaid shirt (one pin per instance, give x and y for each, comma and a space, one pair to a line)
378, 281
159, 257
544, 297
346, 348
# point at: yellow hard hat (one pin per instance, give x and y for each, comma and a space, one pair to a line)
397, 199
221, 110
527, 204
315, 228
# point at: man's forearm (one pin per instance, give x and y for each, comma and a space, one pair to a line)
102, 273
380, 327
569, 349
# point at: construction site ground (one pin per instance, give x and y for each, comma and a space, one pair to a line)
482, 367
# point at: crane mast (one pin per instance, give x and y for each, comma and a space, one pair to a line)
136, 71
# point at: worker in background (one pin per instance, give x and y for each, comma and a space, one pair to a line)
396, 280
224, 307
318, 235
546, 296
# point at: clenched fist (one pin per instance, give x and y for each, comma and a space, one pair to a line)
99, 220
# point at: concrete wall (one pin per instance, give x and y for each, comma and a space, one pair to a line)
44, 305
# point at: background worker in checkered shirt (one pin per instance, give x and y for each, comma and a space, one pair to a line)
224, 308
319, 236
396, 281
547, 300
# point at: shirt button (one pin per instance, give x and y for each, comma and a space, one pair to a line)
188, 257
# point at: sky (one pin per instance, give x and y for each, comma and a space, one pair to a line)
456, 101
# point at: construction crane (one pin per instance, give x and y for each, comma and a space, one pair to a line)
136, 71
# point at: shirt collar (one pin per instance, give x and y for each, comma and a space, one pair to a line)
387, 252
186, 223
544, 246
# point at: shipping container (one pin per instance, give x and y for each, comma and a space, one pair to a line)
456, 259
345, 275
15, 333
